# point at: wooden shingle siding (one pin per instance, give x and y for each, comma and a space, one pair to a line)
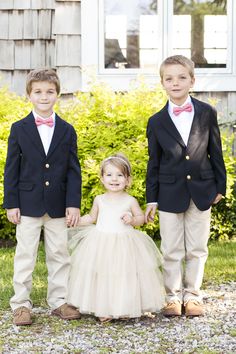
68, 49
30, 54
42, 4
30, 24
4, 24
22, 4
50, 54
27, 4
16, 24
68, 44
18, 81
37, 54
7, 4
7, 60
22, 55
40, 33
44, 24
67, 18
70, 79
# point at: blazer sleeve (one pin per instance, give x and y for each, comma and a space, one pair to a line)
154, 151
74, 180
11, 172
216, 154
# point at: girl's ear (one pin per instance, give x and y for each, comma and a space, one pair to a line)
129, 180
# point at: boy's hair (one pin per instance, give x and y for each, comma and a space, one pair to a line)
47, 74
178, 59
119, 161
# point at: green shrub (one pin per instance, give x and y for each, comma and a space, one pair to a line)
223, 219
108, 122
12, 108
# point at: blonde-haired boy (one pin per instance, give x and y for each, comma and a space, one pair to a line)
185, 177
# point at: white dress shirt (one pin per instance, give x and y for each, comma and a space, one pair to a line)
45, 131
183, 121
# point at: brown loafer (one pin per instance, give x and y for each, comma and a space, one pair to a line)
172, 309
66, 312
22, 316
193, 308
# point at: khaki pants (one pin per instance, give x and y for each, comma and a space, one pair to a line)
184, 238
57, 259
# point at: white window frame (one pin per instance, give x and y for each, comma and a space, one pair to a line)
214, 79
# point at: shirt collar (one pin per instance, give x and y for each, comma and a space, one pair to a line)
53, 115
171, 105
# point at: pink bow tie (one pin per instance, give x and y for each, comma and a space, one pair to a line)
48, 121
186, 108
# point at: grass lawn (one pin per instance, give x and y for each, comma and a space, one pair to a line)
220, 268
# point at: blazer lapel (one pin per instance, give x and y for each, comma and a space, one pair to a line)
196, 125
168, 124
59, 132
31, 129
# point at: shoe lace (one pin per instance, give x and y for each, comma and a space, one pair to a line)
20, 310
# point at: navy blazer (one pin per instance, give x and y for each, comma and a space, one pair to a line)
177, 173
38, 183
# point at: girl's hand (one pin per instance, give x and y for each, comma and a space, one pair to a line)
127, 218
217, 198
13, 215
150, 213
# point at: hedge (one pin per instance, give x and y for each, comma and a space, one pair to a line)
107, 122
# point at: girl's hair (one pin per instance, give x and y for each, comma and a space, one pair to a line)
48, 75
119, 161
178, 59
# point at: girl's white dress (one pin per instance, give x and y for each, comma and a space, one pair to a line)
114, 267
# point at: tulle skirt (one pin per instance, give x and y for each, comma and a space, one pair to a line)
115, 274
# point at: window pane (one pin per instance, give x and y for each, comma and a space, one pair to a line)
131, 34
200, 28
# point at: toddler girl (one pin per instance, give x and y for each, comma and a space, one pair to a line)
114, 268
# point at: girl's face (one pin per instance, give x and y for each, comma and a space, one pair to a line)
177, 82
113, 179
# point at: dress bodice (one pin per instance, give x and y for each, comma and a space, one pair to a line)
110, 213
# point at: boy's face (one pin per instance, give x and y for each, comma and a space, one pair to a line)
177, 82
43, 97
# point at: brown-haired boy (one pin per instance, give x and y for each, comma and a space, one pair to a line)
42, 189
185, 176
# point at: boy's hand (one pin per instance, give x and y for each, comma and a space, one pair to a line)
217, 198
150, 213
13, 215
72, 217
